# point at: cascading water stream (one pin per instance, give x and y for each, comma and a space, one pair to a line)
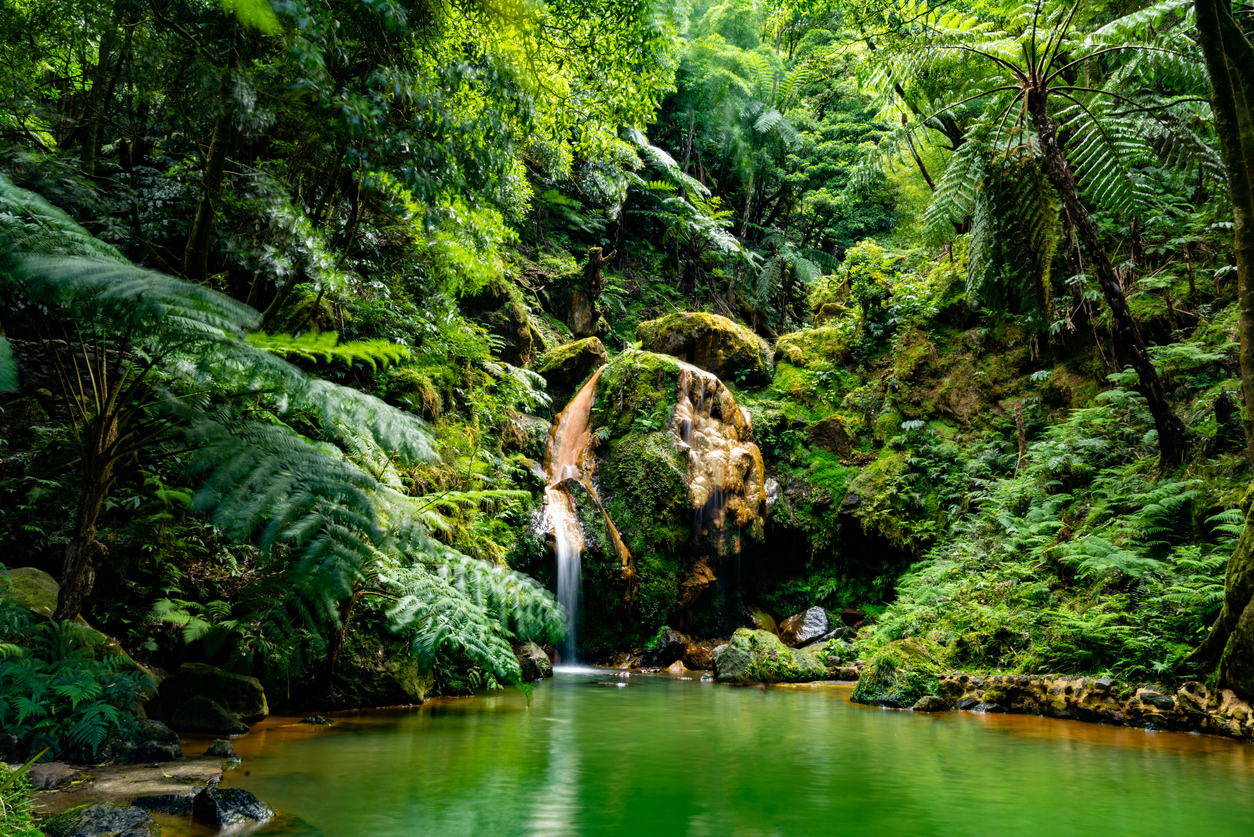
567, 457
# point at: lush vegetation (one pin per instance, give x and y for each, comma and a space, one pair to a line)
285, 286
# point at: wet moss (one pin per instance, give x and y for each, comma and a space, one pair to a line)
714, 343
636, 387
803, 348
901, 673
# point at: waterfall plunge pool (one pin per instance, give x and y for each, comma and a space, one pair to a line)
684, 757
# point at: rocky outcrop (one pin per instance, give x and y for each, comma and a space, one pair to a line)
102, 820
533, 661
804, 628
930, 703
565, 367
699, 656
826, 344
900, 674
222, 749
832, 435
714, 343
759, 657
52, 775
499, 307
229, 806
1191, 708
237, 694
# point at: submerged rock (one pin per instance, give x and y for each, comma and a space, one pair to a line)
316, 721
930, 703
668, 646
900, 674
229, 806
805, 627
714, 343
533, 661
102, 820
759, 657
222, 749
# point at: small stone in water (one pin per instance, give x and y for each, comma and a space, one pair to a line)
316, 720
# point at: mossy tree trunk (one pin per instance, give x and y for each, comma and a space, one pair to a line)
1229, 60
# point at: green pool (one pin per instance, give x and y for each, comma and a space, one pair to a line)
668, 757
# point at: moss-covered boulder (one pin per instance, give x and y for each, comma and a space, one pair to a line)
565, 366
533, 662
759, 657
901, 673
729, 350
238, 694
830, 344
372, 672
637, 392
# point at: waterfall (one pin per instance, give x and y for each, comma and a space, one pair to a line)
569, 457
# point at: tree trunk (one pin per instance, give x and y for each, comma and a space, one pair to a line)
196, 256
1172, 435
77, 570
1229, 60
92, 125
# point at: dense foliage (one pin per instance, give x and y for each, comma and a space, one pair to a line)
281, 279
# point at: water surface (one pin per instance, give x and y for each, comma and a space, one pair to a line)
666, 757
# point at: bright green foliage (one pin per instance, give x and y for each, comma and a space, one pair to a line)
17, 809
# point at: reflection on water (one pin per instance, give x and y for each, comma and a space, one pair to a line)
663, 757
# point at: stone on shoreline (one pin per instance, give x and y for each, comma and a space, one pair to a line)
533, 661
222, 749
201, 714
900, 674
805, 627
101, 819
229, 806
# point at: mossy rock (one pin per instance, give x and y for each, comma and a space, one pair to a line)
759, 657
901, 673
802, 348
637, 385
714, 343
566, 366
833, 435
36, 592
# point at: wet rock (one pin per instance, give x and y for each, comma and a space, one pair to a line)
222, 749
930, 703
202, 714
676, 667
714, 343
762, 621
499, 307
967, 704
52, 775
847, 673
101, 820
564, 367
315, 721
668, 646
1163, 703
804, 627
176, 804
699, 657
229, 806
155, 742
901, 673
760, 657
533, 662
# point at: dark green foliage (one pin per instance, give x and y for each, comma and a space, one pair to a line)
58, 693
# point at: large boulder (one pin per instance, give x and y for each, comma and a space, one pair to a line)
238, 694
229, 806
533, 661
828, 344
759, 657
901, 673
804, 627
665, 648
203, 714
729, 350
375, 672
565, 366
101, 820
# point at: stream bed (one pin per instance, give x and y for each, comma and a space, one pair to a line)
659, 756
